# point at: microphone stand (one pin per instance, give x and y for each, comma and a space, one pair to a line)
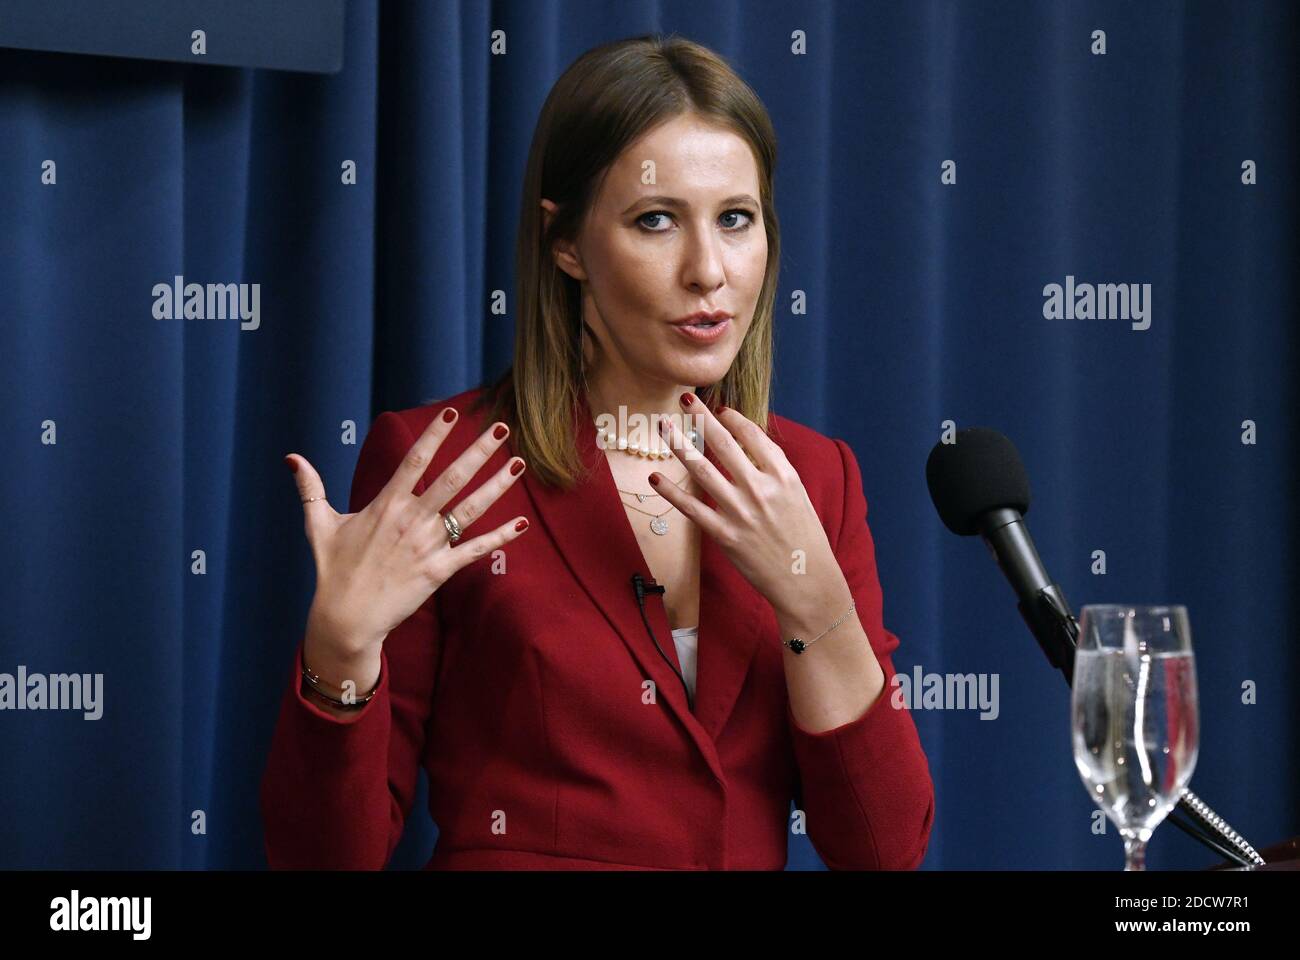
1057, 633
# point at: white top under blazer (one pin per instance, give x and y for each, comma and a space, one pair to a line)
687, 641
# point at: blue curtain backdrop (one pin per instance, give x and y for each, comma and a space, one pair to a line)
925, 304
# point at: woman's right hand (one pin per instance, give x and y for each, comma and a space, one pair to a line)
377, 567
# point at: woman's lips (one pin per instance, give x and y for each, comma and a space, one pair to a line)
703, 334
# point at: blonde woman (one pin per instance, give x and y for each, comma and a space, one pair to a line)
610, 645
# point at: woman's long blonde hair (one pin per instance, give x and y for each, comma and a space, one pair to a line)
606, 99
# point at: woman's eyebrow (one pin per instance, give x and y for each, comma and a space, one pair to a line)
680, 204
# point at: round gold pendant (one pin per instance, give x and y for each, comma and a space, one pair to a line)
659, 525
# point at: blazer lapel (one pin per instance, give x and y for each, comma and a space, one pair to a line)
731, 629
590, 529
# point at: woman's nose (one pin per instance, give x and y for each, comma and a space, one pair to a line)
703, 265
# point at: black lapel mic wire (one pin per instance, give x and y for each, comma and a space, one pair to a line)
641, 588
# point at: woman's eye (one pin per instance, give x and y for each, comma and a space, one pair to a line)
729, 227
749, 219
655, 213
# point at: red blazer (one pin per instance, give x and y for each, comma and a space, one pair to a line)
519, 689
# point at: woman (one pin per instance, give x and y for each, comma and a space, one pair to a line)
531, 673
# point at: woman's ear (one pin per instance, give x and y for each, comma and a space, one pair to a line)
565, 254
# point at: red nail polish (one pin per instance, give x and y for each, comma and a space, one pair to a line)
654, 479
500, 432
687, 399
521, 526
449, 415
516, 468
293, 464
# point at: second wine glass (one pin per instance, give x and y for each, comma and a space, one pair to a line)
1134, 720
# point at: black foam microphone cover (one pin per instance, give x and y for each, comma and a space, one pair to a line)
981, 471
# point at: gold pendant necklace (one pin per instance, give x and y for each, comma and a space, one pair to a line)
658, 525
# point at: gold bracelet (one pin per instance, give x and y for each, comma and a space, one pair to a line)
313, 681
799, 646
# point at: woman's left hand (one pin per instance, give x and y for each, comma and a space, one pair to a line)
765, 522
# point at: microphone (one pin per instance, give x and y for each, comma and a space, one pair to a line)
979, 486
640, 588
639, 585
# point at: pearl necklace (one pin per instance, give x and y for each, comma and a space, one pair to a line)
614, 442
658, 523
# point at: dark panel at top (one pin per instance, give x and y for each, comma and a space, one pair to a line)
279, 34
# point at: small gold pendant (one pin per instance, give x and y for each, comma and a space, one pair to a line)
659, 525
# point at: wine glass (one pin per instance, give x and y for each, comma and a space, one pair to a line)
1133, 713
